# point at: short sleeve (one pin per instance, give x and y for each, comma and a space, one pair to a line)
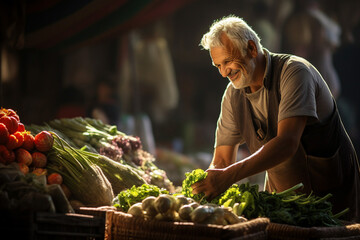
298, 90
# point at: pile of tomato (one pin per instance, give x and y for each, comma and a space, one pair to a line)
21, 146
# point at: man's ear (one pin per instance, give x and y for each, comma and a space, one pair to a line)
252, 49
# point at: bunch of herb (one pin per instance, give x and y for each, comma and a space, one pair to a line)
191, 178
126, 198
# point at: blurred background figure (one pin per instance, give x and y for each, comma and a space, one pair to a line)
310, 33
263, 25
105, 106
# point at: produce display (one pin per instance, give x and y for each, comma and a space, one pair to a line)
243, 201
106, 142
73, 162
25, 184
288, 207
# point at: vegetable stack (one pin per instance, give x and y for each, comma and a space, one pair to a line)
94, 136
287, 207
21, 146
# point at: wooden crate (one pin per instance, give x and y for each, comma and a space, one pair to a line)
121, 225
69, 226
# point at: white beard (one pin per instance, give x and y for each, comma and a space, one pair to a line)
245, 81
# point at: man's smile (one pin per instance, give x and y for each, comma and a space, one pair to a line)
233, 75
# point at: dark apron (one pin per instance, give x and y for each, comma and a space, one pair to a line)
325, 161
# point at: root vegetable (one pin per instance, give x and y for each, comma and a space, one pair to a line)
180, 201
148, 206
185, 211
217, 217
136, 210
164, 203
201, 213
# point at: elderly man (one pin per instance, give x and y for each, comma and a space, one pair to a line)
281, 108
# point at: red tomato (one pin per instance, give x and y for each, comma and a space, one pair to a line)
54, 178
23, 156
23, 168
6, 156
44, 141
12, 142
39, 159
11, 113
28, 143
21, 127
10, 122
4, 134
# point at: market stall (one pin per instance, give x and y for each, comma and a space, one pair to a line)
78, 177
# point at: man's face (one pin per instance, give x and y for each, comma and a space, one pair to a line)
238, 69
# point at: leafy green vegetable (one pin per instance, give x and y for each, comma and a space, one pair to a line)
126, 198
191, 178
287, 207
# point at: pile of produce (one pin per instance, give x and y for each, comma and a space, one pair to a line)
25, 185
83, 160
287, 207
21, 146
244, 202
93, 136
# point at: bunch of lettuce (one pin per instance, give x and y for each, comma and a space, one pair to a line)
191, 178
126, 198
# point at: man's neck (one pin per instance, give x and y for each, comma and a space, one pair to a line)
259, 72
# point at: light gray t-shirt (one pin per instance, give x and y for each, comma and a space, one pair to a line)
303, 93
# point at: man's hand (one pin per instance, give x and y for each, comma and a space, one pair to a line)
216, 182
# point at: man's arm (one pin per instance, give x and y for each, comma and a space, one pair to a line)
224, 156
277, 150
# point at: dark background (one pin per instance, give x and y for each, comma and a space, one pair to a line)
38, 76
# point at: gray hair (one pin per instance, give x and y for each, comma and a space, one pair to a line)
238, 31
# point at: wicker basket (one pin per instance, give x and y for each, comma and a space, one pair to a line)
121, 225
288, 232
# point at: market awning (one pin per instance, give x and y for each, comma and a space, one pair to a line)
64, 24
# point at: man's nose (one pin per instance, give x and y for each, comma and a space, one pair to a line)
224, 71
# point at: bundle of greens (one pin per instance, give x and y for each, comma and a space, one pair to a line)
121, 176
95, 136
125, 199
191, 178
287, 207
85, 180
